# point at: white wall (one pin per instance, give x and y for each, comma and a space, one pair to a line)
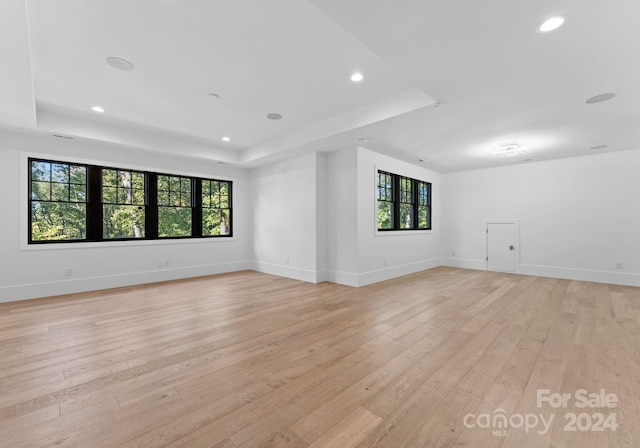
384, 255
358, 254
313, 218
285, 220
322, 216
578, 217
318, 211
36, 271
342, 217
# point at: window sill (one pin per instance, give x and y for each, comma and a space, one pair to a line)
128, 243
402, 232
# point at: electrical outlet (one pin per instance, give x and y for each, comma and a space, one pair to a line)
384, 262
167, 263
68, 272
618, 265
286, 260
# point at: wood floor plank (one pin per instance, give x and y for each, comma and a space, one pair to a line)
350, 431
249, 360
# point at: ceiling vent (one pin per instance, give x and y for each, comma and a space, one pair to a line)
120, 64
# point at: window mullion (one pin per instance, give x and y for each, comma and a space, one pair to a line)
230, 208
94, 203
151, 206
395, 181
429, 210
415, 206
196, 207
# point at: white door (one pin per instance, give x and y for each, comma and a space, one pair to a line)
501, 247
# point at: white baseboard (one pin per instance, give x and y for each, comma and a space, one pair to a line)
75, 285
464, 263
343, 278
305, 275
380, 275
367, 278
322, 276
587, 275
46, 289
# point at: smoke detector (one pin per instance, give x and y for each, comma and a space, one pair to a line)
510, 150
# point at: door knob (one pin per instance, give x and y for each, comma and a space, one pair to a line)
511, 247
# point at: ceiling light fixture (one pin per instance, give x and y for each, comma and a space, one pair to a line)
357, 77
98, 109
274, 116
120, 64
510, 150
552, 24
600, 98
226, 139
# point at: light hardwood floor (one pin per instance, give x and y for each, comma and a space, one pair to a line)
251, 360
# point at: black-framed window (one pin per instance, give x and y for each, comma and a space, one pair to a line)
424, 205
123, 204
57, 201
216, 207
385, 201
407, 204
73, 202
403, 203
175, 217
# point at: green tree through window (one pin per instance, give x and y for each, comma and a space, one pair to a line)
424, 205
403, 203
216, 207
73, 202
385, 201
174, 206
58, 196
123, 201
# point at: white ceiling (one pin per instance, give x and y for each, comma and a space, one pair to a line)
497, 80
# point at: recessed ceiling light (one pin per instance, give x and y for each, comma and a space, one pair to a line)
120, 64
599, 147
600, 98
274, 116
98, 109
357, 77
551, 24
226, 139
